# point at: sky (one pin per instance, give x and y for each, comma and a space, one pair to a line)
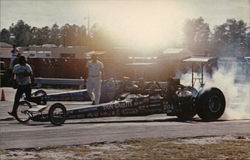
133, 20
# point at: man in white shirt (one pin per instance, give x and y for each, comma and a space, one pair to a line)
95, 75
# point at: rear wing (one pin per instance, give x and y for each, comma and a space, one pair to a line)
199, 60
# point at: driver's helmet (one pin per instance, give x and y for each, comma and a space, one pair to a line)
111, 83
131, 88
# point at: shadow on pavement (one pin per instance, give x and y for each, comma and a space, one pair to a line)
48, 124
7, 119
144, 121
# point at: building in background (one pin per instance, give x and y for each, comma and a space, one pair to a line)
50, 61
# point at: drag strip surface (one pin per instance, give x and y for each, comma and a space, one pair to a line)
85, 131
76, 132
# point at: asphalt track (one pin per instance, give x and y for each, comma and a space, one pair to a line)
108, 129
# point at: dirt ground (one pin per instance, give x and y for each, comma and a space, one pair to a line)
197, 148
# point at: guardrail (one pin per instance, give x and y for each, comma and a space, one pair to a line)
59, 81
76, 82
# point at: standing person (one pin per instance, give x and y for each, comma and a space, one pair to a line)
15, 54
22, 73
95, 76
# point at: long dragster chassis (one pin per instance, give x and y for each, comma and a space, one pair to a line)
174, 99
185, 103
132, 105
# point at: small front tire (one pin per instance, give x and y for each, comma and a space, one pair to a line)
57, 114
23, 115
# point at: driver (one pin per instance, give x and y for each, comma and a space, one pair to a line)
95, 76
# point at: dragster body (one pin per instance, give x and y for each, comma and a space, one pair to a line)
132, 105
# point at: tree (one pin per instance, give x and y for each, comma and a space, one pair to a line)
64, 34
44, 34
100, 38
228, 36
5, 36
22, 33
196, 34
81, 36
55, 35
248, 41
73, 35
34, 35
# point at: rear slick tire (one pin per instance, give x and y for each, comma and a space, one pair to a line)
211, 104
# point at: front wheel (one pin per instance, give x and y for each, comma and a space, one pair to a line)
57, 114
211, 104
23, 115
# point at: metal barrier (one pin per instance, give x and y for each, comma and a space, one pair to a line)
59, 81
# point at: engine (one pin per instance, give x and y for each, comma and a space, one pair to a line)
185, 102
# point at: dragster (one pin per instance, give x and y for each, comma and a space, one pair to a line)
130, 99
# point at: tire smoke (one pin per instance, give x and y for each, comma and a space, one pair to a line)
235, 85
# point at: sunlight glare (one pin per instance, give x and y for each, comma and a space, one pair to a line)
141, 24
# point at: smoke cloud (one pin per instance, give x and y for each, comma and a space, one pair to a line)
233, 81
